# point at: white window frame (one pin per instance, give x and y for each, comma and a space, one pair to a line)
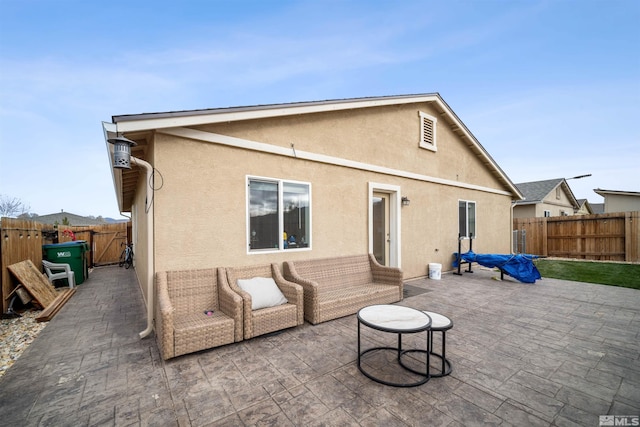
546, 213
428, 145
475, 218
280, 183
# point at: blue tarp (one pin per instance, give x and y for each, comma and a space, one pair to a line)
520, 267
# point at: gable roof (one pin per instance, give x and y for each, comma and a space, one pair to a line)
584, 203
536, 191
137, 125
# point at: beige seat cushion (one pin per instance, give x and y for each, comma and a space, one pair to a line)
199, 331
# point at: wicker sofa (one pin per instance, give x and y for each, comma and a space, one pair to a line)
273, 318
337, 287
195, 310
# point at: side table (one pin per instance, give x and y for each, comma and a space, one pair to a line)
398, 320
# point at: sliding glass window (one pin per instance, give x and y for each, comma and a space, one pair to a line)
279, 214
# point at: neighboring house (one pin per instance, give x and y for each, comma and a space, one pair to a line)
397, 176
552, 197
598, 208
619, 201
585, 208
67, 218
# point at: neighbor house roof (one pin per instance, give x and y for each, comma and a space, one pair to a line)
585, 203
597, 208
536, 191
136, 126
616, 192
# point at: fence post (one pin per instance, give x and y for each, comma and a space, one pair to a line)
545, 241
631, 236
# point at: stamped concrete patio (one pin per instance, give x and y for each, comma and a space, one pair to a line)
554, 353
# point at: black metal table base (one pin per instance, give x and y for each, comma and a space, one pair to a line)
425, 374
445, 366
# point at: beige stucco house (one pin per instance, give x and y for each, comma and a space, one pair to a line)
584, 207
397, 176
619, 201
551, 197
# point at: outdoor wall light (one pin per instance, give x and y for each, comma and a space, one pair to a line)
121, 152
405, 201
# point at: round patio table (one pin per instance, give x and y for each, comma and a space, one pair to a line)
398, 320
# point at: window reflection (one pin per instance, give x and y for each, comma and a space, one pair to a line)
270, 215
263, 214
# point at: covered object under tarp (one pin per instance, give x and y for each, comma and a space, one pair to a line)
520, 266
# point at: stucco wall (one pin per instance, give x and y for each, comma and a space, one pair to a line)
555, 205
524, 211
621, 203
201, 212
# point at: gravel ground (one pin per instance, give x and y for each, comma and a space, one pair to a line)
16, 335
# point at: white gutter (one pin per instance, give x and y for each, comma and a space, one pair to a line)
150, 251
111, 127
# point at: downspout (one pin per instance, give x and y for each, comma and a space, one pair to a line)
150, 251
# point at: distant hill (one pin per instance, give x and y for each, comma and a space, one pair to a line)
73, 219
114, 221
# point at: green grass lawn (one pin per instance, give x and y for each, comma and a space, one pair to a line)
605, 273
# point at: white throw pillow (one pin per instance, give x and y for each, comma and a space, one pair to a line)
264, 292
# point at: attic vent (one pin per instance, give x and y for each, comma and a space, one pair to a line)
428, 131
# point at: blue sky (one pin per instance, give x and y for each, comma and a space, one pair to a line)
550, 88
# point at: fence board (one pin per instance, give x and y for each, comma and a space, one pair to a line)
20, 240
607, 237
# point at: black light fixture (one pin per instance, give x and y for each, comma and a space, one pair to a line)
405, 201
122, 152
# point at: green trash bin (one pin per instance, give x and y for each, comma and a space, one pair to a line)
72, 253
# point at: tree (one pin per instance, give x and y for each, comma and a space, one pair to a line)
12, 206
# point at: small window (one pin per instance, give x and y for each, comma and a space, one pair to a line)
547, 214
467, 219
428, 131
558, 193
279, 214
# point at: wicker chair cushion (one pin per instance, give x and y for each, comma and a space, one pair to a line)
197, 331
264, 292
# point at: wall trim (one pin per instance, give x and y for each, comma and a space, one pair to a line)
262, 147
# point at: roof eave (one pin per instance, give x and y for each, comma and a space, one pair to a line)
152, 121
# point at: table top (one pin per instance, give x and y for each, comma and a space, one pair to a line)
394, 318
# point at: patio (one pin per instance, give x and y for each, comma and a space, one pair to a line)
554, 353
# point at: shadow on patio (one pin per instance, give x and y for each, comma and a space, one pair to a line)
553, 353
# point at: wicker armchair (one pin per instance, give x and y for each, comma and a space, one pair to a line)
271, 319
183, 297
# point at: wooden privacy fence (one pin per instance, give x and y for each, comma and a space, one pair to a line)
605, 237
106, 242
23, 239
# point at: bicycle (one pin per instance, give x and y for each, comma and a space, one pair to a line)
126, 257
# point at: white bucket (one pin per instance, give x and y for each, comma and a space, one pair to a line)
435, 271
